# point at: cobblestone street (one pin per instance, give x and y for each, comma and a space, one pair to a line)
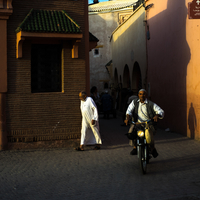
109, 173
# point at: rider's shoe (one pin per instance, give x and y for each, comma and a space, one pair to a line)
133, 152
154, 153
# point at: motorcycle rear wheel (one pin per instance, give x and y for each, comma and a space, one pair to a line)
142, 160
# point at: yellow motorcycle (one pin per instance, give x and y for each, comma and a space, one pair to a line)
143, 138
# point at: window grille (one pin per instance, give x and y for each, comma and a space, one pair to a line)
46, 68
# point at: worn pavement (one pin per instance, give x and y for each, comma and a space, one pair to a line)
106, 174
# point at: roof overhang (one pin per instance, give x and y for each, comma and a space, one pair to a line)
92, 45
22, 35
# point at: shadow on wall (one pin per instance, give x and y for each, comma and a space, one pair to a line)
192, 121
168, 57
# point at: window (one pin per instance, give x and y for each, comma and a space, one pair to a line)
96, 52
46, 68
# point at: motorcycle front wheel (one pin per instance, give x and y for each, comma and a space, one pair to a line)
142, 160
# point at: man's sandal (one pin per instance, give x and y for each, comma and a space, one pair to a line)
79, 149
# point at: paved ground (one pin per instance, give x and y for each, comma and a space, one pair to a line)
109, 173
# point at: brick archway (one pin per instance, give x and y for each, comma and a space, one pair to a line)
136, 78
126, 77
116, 81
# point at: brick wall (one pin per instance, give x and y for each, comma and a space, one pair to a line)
44, 116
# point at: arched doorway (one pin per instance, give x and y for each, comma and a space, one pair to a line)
126, 78
136, 78
120, 81
125, 91
116, 82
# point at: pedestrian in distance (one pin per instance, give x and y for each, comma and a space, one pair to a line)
141, 110
90, 134
106, 100
114, 103
127, 93
96, 98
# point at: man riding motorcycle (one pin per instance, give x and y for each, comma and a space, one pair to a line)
142, 110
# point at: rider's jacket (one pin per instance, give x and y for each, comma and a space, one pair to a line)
150, 111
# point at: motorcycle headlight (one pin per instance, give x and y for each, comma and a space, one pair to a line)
140, 133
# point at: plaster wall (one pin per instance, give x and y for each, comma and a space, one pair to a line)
174, 65
129, 45
102, 25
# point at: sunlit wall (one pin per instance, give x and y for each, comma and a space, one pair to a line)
173, 64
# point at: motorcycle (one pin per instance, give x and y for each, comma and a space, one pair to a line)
141, 134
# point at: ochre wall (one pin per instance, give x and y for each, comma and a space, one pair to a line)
3, 55
45, 116
174, 65
5, 12
193, 77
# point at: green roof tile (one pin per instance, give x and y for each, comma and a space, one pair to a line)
48, 21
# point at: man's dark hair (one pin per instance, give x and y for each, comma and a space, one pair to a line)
83, 93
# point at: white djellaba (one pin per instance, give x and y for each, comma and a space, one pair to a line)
90, 134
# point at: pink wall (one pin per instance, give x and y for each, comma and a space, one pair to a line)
169, 55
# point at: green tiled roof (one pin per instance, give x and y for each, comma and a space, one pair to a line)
48, 21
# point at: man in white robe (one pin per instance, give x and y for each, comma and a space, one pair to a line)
90, 123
